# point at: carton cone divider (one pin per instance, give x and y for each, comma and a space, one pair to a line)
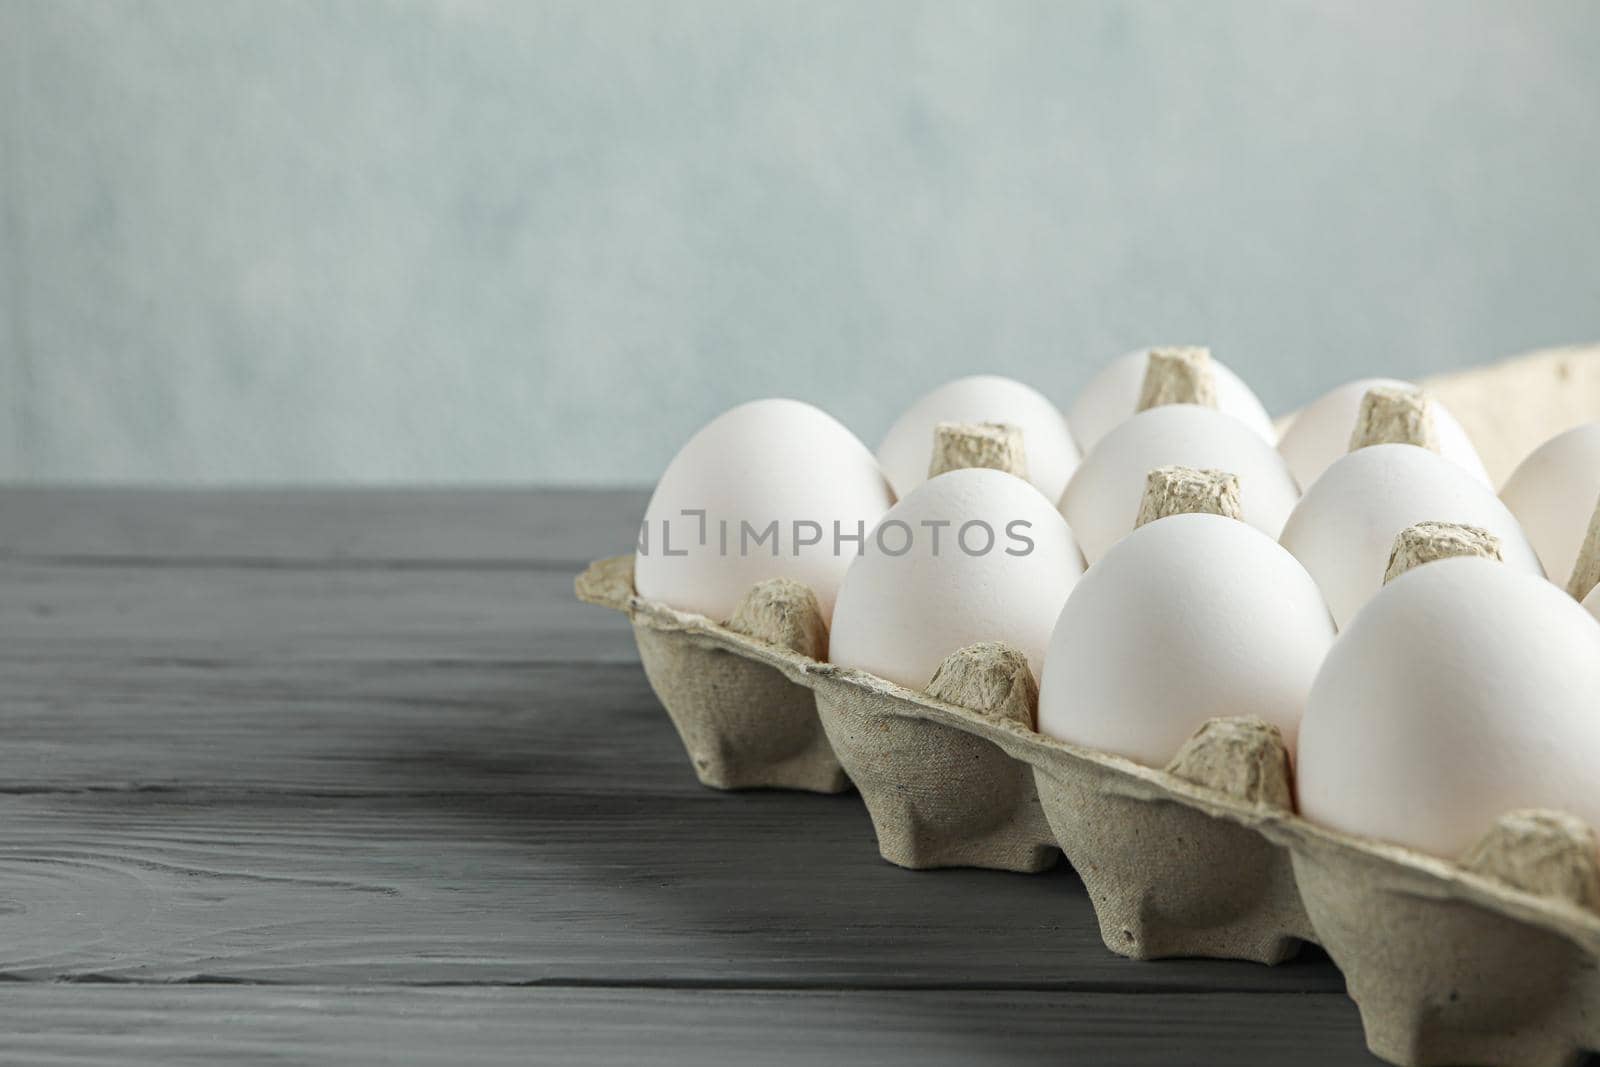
783, 612
961, 445
1395, 415
990, 678
1185, 490
1178, 376
1586, 569
1425, 542
1241, 756
1547, 853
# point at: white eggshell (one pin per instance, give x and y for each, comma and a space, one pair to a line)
764, 461
1188, 618
1102, 499
1320, 434
1047, 444
1553, 494
1112, 395
1464, 690
1344, 528
899, 616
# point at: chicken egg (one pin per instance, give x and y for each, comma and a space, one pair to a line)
1047, 444
1101, 501
1553, 493
769, 489
1345, 526
1464, 690
1112, 396
1188, 618
1320, 434
971, 555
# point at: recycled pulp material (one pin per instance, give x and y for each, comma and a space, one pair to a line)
742, 723
1586, 570
1180, 490
987, 790
1425, 542
1449, 962
1395, 416
1512, 407
958, 445
1178, 376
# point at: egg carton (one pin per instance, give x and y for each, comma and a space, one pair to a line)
1490, 961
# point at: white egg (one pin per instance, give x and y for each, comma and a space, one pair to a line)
1102, 499
759, 492
982, 556
1047, 444
1553, 494
1111, 396
1320, 434
1344, 528
1464, 690
1188, 618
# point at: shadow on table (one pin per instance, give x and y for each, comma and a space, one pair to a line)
657, 882
783, 886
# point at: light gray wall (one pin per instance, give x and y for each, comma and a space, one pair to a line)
450, 240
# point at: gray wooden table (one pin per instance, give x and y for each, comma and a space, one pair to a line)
352, 777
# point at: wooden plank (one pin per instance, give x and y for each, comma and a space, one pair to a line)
337, 728
259, 527
132, 1024
499, 804
344, 754
204, 614
772, 889
509, 799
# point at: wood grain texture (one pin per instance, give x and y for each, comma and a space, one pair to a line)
756, 889
337, 728
206, 613
165, 1025
368, 750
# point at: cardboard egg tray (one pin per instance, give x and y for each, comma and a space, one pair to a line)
1490, 961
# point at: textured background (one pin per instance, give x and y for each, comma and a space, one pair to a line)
450, 240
